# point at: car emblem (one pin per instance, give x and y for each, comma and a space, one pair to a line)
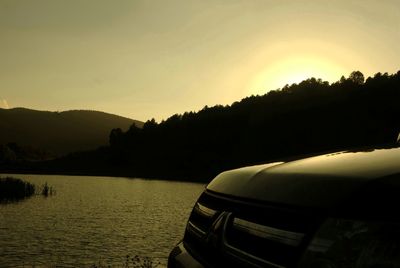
214, 235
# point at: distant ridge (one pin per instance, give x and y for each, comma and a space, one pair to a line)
60, 132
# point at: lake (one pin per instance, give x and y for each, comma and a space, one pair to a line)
95, 220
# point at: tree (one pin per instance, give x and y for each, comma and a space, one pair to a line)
150, 124
357, 77
115, 136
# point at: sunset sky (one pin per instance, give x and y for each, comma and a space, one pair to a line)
145, 59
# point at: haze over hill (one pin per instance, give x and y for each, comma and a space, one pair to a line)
59, 132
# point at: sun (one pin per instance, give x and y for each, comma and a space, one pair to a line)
293, 70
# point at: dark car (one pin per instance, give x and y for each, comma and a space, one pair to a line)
334, 210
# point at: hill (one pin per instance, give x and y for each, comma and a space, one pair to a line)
59, 133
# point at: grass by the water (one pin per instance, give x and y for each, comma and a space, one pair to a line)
15, 189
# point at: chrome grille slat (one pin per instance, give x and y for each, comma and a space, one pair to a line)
196, 229
205, 211
274, 234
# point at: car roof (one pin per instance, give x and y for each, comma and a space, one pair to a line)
325, 181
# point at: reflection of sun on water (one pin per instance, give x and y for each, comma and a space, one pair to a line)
293, 70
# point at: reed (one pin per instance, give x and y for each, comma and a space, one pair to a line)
13, 189
46, 190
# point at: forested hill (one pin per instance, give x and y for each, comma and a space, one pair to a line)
306, 118
59, 132
310, 117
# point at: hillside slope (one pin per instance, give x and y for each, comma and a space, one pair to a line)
59, 132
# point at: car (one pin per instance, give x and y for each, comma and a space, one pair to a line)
328, 211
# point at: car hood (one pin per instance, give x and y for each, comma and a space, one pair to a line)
321, 181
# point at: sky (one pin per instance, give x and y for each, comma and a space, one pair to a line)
152, 59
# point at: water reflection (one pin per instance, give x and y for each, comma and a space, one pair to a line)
95, 219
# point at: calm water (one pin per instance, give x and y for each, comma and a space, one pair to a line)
94, 220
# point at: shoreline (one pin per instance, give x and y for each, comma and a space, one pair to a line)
5, 172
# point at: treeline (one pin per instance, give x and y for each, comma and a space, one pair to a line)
306, 118
13, 153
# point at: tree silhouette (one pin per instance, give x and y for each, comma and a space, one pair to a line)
357, 77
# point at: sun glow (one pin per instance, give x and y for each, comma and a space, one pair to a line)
294, 70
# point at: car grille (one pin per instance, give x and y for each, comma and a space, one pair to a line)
201, 219
223, 231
